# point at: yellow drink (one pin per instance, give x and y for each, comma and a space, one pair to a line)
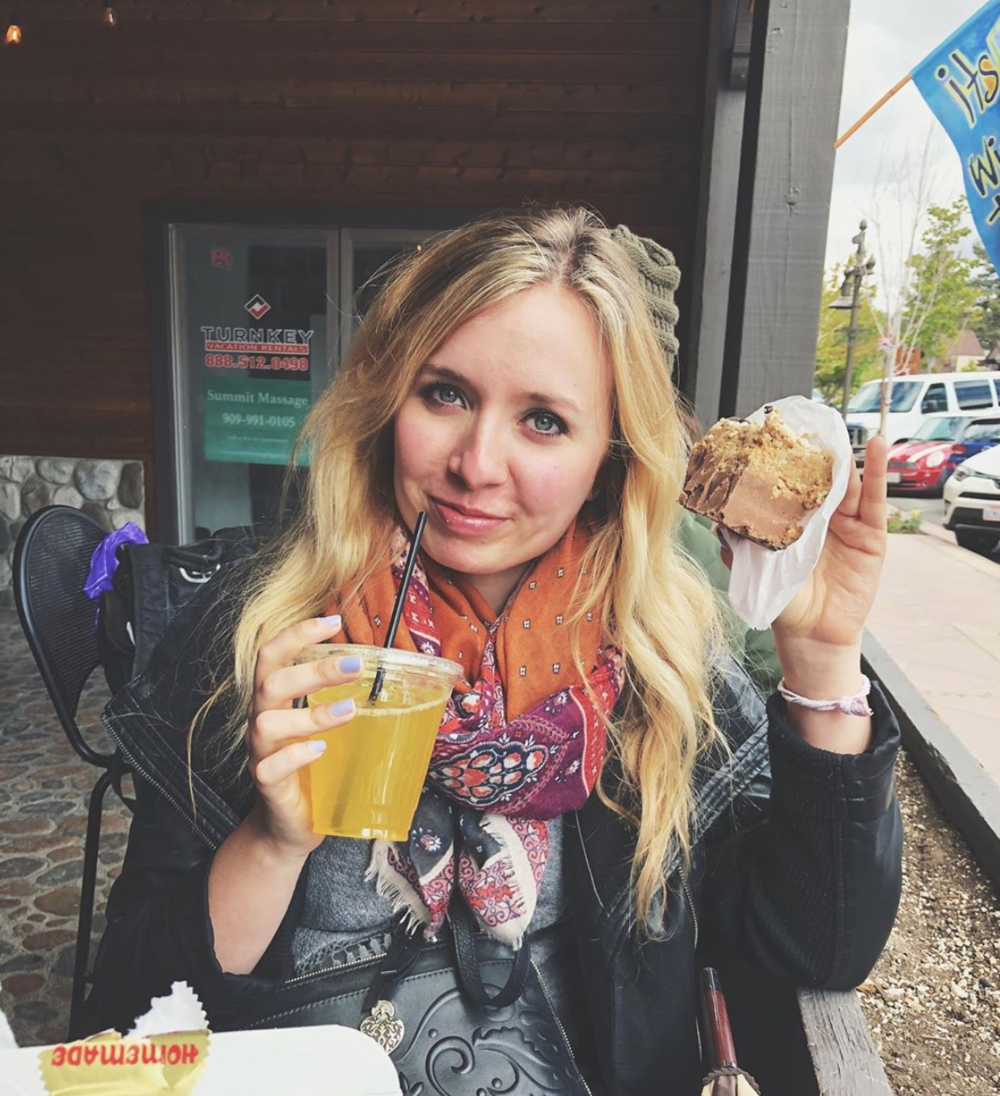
368, 781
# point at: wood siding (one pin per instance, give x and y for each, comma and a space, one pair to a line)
444, 103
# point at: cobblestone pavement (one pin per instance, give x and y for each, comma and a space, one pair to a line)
44, 790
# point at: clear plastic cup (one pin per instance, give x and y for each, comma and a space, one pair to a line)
368, 780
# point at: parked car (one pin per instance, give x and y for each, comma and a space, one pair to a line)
912, 398
972, 501
979, 435
941, 443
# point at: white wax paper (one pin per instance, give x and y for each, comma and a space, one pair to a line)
180, 1011
764, 581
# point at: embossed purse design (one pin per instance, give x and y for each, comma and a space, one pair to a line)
458, 1017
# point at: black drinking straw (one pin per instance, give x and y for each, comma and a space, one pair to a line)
397, 609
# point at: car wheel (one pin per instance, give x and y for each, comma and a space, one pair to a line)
975, 542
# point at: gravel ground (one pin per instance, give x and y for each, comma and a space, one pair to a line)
933, 1000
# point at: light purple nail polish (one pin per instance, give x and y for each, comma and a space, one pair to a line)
317, 745
350, 664
342, 707
330, 621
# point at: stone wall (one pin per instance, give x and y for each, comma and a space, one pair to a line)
111, 491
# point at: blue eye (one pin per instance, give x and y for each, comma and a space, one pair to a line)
443, 394
544, 422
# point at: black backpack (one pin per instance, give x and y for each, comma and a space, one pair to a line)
150, 583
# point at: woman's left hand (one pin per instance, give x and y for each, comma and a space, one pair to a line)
833, 604
818, 637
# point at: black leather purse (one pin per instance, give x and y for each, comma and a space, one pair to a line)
459, 1017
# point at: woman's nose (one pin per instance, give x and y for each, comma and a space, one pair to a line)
478, 458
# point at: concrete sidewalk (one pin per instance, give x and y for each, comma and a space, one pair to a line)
938, 616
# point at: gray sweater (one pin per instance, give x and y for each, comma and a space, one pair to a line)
343, 914
345, 919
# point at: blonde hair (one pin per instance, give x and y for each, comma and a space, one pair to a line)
658, 609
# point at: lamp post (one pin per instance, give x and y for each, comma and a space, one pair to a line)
850, 298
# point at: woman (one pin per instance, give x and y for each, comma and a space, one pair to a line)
508, 381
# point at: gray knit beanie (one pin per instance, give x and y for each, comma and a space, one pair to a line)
660, 277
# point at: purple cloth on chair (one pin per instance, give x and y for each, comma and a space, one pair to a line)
104, 561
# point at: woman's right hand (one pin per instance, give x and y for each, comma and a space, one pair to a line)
276, 730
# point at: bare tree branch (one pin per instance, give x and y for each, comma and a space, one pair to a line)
901, 198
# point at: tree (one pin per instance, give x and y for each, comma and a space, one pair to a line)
922, 277
924, 285
987, 285
942, 296
831, 344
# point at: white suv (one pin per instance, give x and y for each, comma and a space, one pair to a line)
912, 398
972, 501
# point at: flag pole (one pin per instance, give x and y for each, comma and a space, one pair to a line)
874, 110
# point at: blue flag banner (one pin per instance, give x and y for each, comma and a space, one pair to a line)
960, 80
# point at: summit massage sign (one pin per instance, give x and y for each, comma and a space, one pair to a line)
257, 392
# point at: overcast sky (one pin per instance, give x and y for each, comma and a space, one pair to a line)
886, 39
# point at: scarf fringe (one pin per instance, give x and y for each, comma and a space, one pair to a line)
518, 875
397, 889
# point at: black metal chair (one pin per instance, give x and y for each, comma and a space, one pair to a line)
51, 563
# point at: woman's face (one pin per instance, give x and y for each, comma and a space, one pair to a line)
502, 436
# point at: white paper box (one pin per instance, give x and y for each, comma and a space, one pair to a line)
327, 1060
306, 1061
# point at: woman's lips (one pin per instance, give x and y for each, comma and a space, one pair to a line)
461, 519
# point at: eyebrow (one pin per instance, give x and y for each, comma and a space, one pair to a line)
557, 403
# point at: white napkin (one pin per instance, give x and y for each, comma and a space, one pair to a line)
764, 581
180, 1011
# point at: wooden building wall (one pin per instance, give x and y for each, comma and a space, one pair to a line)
463, 103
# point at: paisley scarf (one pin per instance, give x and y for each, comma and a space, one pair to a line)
521, 740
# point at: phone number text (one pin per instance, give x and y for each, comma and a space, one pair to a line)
234, 418
256, 361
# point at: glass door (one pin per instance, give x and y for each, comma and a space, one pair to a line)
260, 319
363, 253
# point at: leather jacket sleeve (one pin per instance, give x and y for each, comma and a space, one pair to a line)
804, 874
158, 928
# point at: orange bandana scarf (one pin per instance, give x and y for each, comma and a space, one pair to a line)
521, 740
534, 655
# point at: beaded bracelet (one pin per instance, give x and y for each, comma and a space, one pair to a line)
849, 705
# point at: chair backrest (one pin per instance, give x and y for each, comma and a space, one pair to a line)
51, 563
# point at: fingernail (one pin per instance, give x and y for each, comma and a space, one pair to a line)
342, 707
317, 745
349, 664
330, 621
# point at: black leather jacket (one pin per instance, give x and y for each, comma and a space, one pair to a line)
795, 863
